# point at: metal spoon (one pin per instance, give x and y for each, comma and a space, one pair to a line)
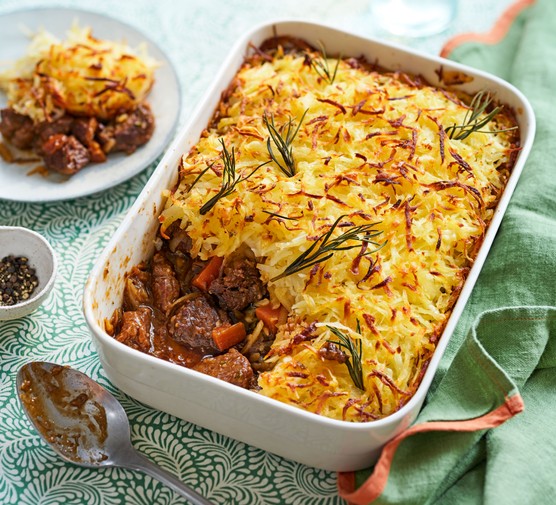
84, 423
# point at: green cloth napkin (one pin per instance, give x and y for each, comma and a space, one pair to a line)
504, 349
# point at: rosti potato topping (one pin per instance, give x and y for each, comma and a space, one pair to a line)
81, 75
362, 196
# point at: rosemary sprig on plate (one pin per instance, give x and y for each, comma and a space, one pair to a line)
354, 362
229, 178
322, 67
473, 122
282, 138
325, 246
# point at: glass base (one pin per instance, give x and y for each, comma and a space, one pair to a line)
413, 18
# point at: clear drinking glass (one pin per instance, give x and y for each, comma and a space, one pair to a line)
413, 18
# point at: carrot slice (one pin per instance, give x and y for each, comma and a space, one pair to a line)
270, 316
208, 274
227, 336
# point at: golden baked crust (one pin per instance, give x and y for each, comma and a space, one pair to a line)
372, 148
81, 75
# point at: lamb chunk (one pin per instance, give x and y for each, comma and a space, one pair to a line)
239, 284
183, 266
133, 129
165, 286
47, 129
17, 128
135, 289
136, 329
84, 130
232, 367
105, 137
179, 240
193, 323
64, 154
331, 351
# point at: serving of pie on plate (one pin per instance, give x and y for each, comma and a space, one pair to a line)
87, 103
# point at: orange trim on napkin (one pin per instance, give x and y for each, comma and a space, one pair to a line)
375, 484
498, 32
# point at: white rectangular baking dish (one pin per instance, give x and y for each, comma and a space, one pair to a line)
241, 414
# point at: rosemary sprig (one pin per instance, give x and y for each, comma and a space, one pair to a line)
280, 216
282, 138
472, 122
354, 362
229, 178
325, 246
203, 172
322, 66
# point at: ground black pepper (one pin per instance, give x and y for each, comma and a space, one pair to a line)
18, 280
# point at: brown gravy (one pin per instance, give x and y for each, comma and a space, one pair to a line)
63, 409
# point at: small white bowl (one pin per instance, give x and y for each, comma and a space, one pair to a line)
18, 241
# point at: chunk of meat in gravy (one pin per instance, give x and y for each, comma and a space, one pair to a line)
239, 284
232, 367
128, 131
136, 329
64, 154
184, 268
179, 239
85, 130
165, 286
135, 289
47, 129
193, 323
105, 137
17, 128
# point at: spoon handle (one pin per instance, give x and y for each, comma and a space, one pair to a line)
136, 461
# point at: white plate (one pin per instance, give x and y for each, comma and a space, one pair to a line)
15, 183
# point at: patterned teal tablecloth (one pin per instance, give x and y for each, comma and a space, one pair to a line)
196, 34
